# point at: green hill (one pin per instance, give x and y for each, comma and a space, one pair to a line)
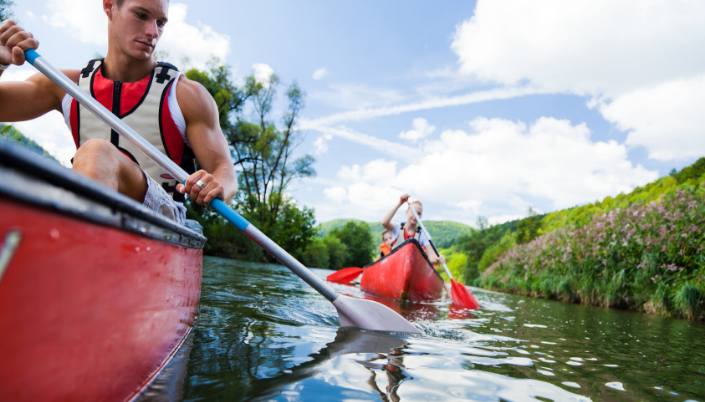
442, 232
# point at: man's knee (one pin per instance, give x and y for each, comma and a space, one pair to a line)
95, 151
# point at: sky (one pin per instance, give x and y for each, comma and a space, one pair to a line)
479, 108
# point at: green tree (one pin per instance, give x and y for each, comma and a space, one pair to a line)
5, 12
528, 228
263, 155
337, 252
357, 239
316, 254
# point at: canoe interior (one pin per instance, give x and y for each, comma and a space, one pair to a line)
404, 274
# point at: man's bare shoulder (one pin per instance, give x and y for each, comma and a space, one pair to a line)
195, 102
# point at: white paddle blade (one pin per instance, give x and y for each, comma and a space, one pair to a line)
366, 314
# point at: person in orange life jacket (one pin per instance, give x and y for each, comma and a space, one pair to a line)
175, 114
386, 246
409, 229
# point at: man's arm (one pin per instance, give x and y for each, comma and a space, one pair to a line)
20, 101
387, 220
208, 144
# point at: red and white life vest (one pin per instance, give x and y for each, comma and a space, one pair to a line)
142, 105
404, 237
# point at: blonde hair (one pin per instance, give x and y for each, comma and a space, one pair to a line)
417, 202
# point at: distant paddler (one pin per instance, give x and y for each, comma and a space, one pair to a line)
177, 116
409, 229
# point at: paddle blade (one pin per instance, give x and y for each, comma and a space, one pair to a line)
462, 296
345, 275
366, 314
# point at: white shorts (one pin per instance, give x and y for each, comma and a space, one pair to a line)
159, 201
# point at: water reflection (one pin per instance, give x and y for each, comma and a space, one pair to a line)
263, 335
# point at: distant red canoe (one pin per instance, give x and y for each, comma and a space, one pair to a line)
403, 274
97, 293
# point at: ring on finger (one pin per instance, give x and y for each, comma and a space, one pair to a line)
200, 184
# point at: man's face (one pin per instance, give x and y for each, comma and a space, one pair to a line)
387, 238
136, 27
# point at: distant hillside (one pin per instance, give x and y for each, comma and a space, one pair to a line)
441, 231
8, 132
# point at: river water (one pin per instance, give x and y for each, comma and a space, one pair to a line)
263, 334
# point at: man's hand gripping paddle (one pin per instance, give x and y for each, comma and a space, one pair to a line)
460, 294
358, 313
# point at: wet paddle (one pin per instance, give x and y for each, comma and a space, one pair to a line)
364, 314
345, 275
460, 294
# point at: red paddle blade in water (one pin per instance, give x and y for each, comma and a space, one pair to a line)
345, 275
462, 296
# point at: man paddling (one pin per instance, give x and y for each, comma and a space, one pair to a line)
176, 115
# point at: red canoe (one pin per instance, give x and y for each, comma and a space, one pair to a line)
97, 293
403, 274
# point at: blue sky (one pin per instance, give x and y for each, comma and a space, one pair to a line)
475, 108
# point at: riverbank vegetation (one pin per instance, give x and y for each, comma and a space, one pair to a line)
641, 251
350, 245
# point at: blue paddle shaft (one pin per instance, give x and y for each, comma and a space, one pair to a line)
176, 171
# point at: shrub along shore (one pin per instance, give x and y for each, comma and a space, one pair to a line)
643, 257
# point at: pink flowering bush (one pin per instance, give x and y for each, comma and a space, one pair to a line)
644, 257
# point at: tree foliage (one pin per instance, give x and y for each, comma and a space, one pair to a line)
5, 12
264, 155
357, 239
326, 252
528, 228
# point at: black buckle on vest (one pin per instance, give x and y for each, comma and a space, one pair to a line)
86, 72
163, 75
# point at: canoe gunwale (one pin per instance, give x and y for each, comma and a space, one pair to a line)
418, 246
30, 179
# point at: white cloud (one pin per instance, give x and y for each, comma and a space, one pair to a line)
197, 43
86, 21
354, 97
263, 73
321, 144
610, 50
17, 73
668, 119
30, 15
499, 166
401, 151
49, 131
320, 73
368, 112
377, 172
584, 46
337, 193
421, 130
